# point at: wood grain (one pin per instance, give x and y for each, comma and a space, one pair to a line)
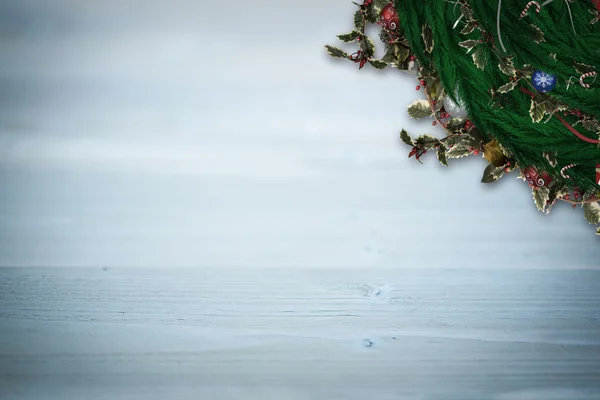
299, 334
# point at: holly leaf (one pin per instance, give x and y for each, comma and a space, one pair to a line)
369, 45
507, 87
441, 155
556, 191
582, 68
458, 152
419, 109
335, 52
591, 212
378, 64
427, 35
590, 124
359, 20
479, 57
469, 44
507, 67
349, 37
396, 53
469, 27
378, 5
540, 197
538, 35
506, 151
492, 174
525, 72
458, 139
537, 110
455, 124
598, 232
596, 15
466, 12
406, 138
551, 157
428, 141
589, 195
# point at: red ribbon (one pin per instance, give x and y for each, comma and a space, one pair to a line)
565, 123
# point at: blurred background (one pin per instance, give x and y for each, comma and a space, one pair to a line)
196, 133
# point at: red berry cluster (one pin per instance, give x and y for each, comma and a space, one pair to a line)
575, 112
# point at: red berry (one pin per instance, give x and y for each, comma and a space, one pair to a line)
574, 205
476, 152
506, 169
567, 197
434, 123
422, 81
412, 58
418, 87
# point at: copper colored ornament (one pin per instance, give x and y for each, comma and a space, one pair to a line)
389, 17
493, 154
536, 179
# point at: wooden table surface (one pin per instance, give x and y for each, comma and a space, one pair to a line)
299, 334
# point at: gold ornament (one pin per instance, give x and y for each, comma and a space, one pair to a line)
493, 153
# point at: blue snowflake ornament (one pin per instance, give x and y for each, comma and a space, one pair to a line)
542, 81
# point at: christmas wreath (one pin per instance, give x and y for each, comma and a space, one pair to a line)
512, 80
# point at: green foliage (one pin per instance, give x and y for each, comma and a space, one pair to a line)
335, 52
492, 173
406, 138
591, 211
461, 55
419, 109
471, 59
540, 196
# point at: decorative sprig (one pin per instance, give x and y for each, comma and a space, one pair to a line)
463, 138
